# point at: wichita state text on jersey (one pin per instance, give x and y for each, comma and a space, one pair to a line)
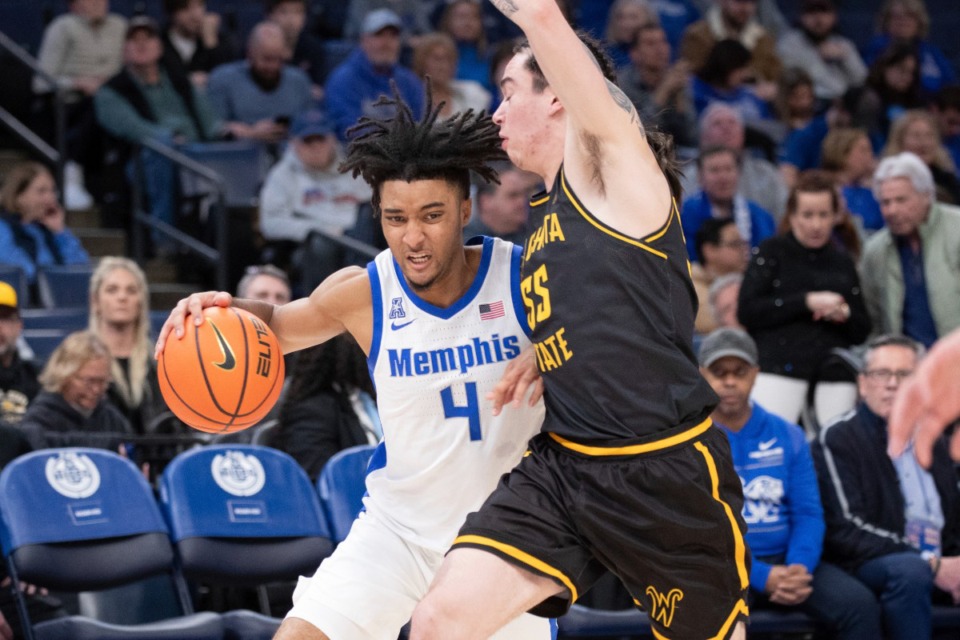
618, 373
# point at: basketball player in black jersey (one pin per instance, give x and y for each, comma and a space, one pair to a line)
628, 473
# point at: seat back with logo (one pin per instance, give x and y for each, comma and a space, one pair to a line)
243, 515
342, 485
80, 519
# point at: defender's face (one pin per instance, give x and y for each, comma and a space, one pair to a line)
423, 223
522, 113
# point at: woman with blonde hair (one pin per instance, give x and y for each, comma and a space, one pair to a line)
848, 155
916, 131
120, 316
435, 56
72, 409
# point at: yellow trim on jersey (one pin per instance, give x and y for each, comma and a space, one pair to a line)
610, 232
537, 203
673, 211
740, 552
523, 557
635, 449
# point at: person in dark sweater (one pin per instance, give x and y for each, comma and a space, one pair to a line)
72, 410
799, 299
329, 406
18, 377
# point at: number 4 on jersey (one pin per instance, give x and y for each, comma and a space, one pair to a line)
470, 411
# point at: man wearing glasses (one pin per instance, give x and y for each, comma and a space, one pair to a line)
891, 523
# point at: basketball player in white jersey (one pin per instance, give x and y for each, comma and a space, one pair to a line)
439, 323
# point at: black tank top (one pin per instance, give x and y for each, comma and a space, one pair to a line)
612, 321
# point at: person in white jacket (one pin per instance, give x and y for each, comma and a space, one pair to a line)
304, 192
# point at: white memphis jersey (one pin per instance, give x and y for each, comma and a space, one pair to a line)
443, 451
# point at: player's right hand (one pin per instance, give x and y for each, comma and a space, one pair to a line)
193, 305
519, 376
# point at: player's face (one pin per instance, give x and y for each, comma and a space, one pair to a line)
812, 222
119, 300
86, 388
423, 224
882, 374
522, 113
732, 379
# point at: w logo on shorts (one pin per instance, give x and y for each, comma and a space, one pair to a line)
662, 606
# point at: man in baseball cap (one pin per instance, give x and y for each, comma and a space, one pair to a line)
781, 499
18, 377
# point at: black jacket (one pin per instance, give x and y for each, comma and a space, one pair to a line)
18, 388
860, 490
772, 305
51, 422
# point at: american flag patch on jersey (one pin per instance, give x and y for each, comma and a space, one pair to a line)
491, 311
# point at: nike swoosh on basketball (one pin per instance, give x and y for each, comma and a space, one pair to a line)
395, 326
766, 445
229, 361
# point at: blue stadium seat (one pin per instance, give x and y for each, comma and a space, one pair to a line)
64, 286
342, 485
241, 165
43, 341
65, 320
16, 278
244, 515
85, 520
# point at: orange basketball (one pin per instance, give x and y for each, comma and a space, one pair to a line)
224, 375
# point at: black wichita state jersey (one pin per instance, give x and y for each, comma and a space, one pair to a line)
612, 321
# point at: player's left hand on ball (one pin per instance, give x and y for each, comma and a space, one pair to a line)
520, 376
193, 305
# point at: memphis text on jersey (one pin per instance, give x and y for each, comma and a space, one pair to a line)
554, 350
462, 358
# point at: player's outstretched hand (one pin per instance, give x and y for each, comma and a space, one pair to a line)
928, 401
519, 376
192, 305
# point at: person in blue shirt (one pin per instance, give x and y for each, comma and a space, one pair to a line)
354, 86
785, 525
33, 229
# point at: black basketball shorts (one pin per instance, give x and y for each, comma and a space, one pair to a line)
667, 522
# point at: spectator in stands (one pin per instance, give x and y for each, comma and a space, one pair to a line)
258, 97
435, 56
330, 405
916, 131
675, 16
413, 15
462, 20
356, 84
147, 102
305, 193
800, 298
722, 251
832, 60
33, 227
892, 87
18, 376
308, 54
72, 410
265, 282
658, 89
946, 108
907, 22
81, 49
722, 298
847, 154
785, 523
194, 42
892, 524
501, 210
625, 17
723, 77
736, 20
719, 170
911, 279
795, 104
760, 182
120, 317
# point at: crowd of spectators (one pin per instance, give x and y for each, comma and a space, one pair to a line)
820, 210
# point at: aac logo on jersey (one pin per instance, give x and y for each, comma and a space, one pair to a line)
73, 475
238, 474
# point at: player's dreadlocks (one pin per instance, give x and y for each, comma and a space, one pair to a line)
400, 148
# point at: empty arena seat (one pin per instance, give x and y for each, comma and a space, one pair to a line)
342, 485
64, 286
